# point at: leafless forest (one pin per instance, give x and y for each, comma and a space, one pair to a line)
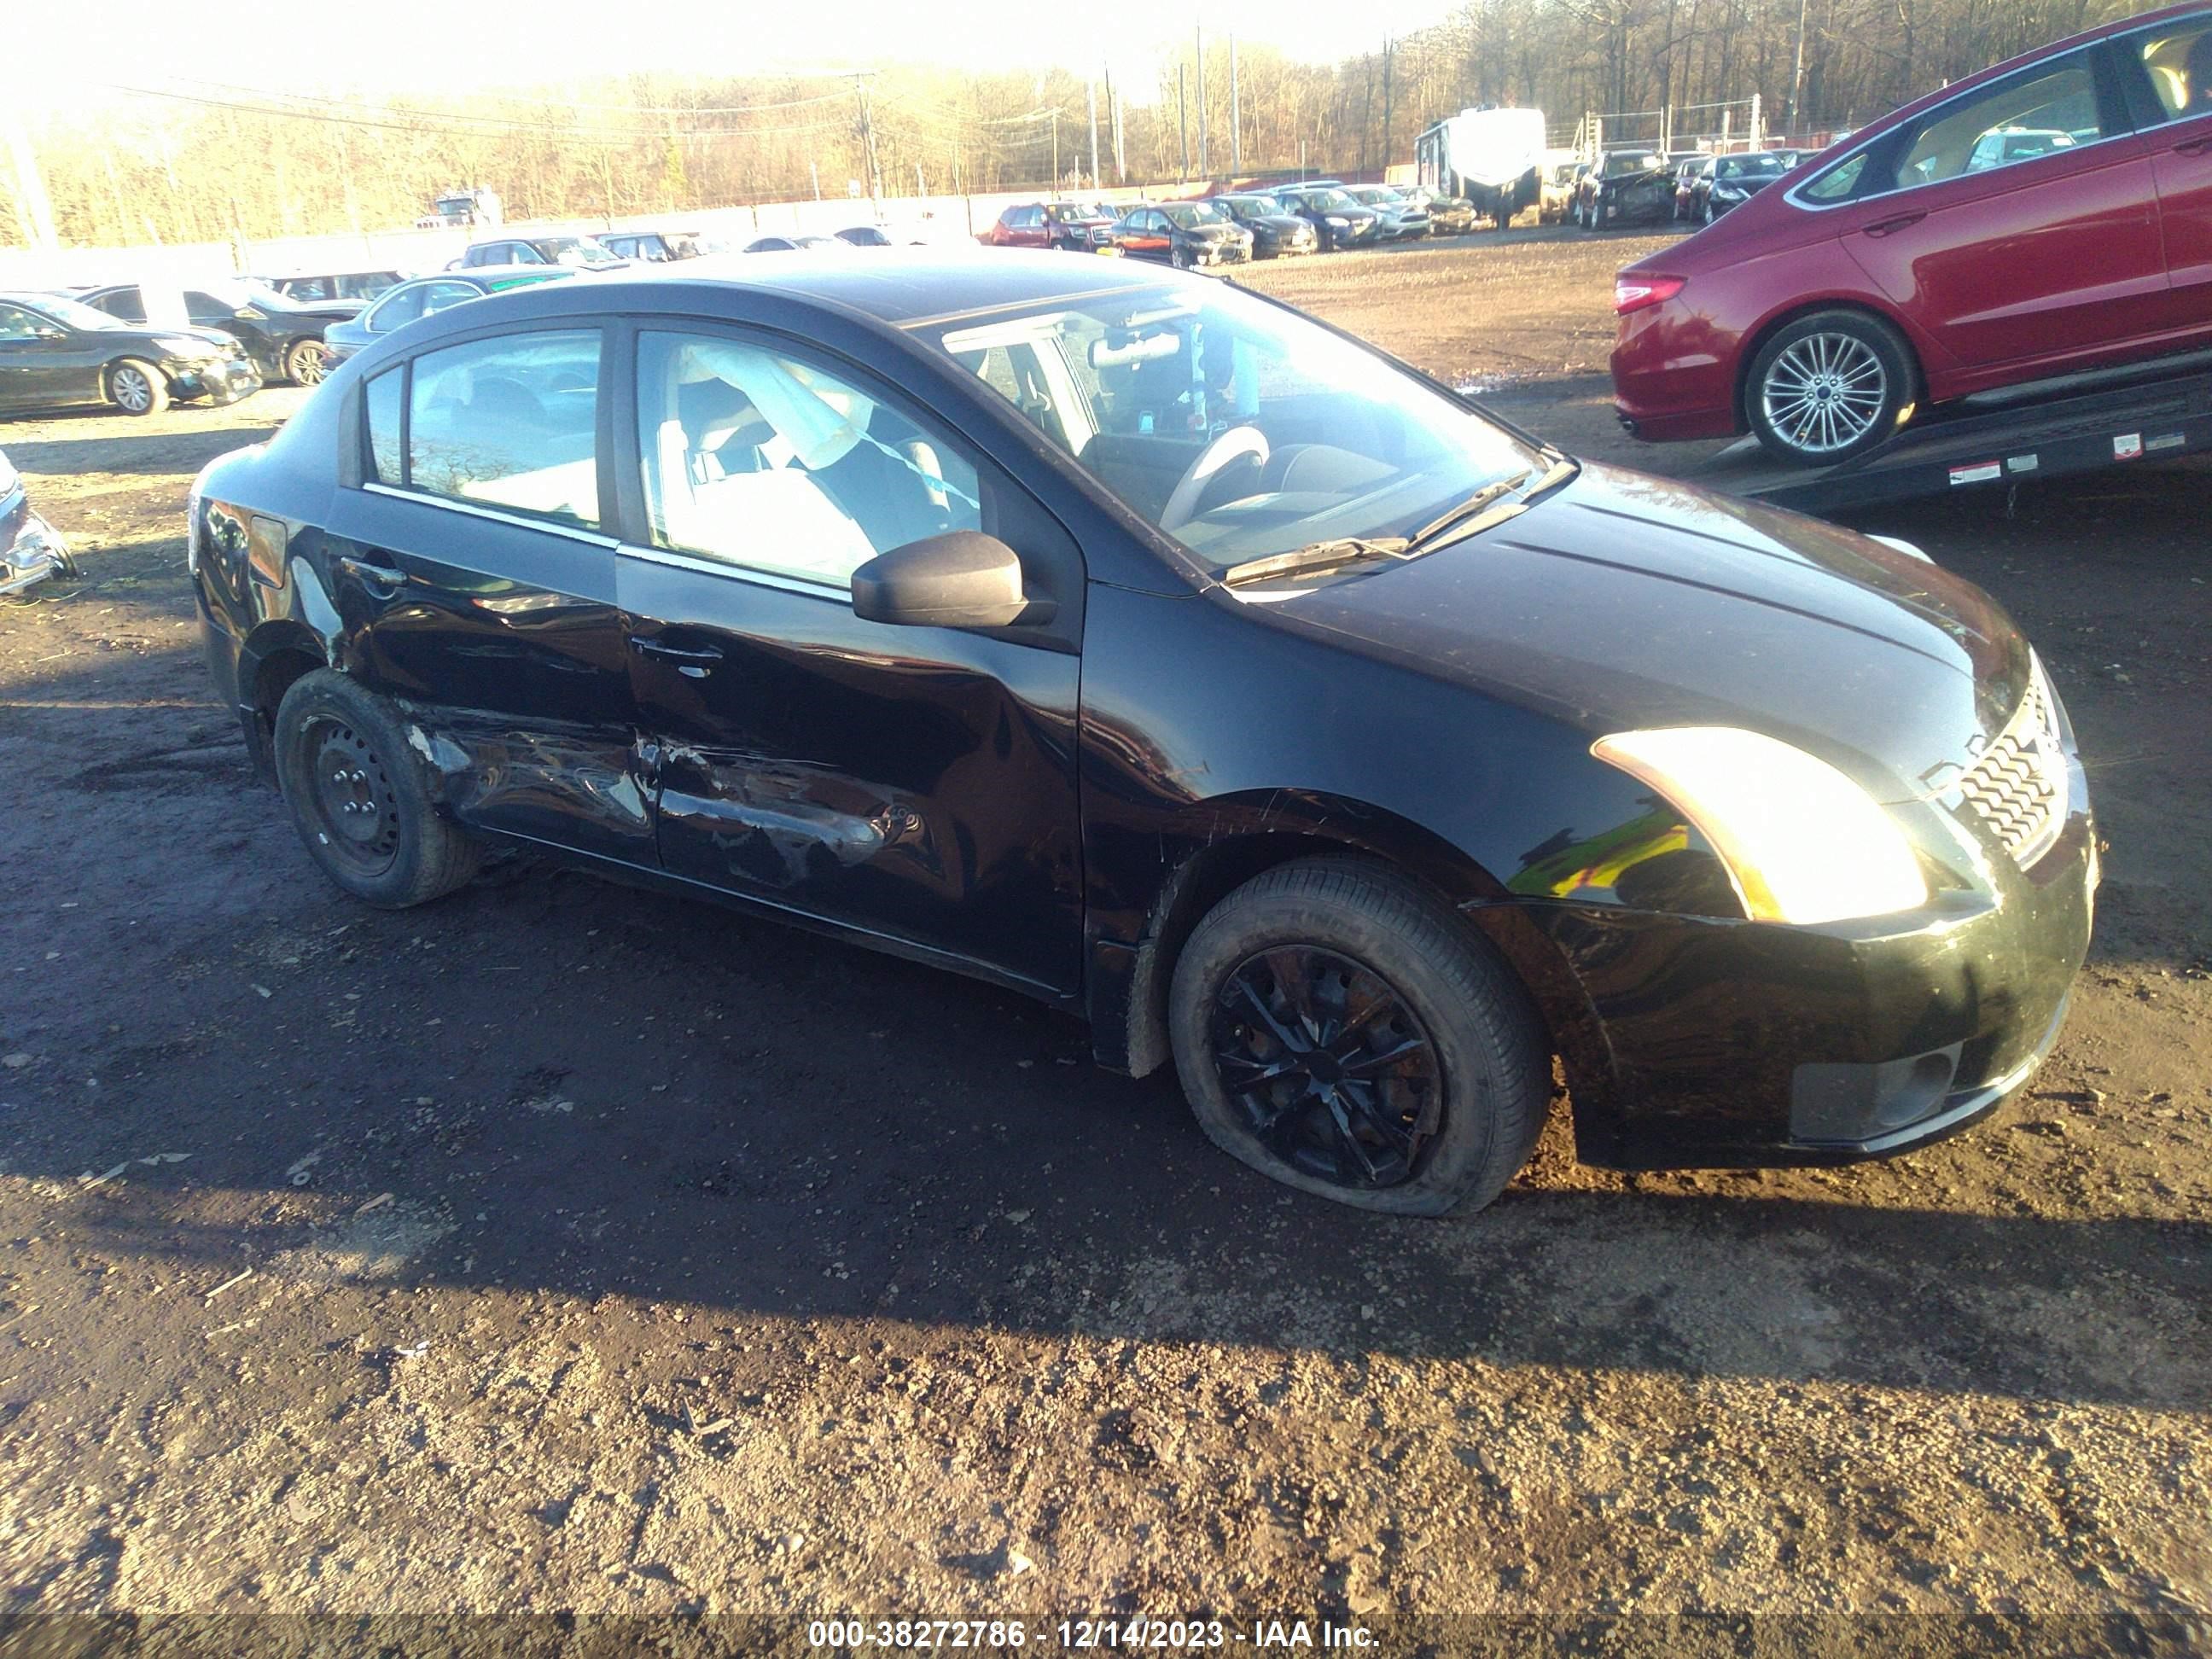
197, 161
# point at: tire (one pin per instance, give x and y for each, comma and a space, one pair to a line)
1445, 1127
408, 855
1829, 386
1707, 215
138, 388
303, 362
1597, 213
1177, 257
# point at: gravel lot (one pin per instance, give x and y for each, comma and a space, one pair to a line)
562, 1248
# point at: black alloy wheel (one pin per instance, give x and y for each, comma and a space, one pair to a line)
1330, 1069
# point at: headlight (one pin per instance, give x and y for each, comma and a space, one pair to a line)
1335, 224
176, 345
1801, 843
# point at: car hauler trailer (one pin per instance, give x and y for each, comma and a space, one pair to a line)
1493, 158
2153, 411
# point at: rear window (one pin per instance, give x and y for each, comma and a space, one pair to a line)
385, 396
510, 422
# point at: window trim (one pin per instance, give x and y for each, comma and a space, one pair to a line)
521, 521
2107, 86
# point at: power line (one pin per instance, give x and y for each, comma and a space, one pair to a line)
484, 126
655, 110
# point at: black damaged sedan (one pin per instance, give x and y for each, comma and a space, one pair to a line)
1139, 643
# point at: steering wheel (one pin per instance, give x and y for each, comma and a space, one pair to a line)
1237, 442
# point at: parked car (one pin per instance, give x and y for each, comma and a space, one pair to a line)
1338, 220
1361, 756
1687, 175
1401, 220
56, 351
866, 236
1186, 235
322, 287
1448, 216
284, 336
1556, 192
656, 247
423, 297
584, 253
791, 244
1913, 266
1275, 230
30, 550
1729, 181
1628, 187
1079, 226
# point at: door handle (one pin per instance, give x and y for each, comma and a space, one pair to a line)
1899, 222
2194, 146
375, 575
645, 647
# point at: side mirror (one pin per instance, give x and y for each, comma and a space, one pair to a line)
958, 580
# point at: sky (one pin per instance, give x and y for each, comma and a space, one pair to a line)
449, 46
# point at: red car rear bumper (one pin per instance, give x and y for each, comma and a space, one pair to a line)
1674, 374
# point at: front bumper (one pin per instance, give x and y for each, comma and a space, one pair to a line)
1719, 1043
30, 550
224, 380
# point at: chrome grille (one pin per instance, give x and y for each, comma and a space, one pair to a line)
2018, 785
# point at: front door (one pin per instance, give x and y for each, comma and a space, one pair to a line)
2024, 223
916, 785
42, 364
477, 590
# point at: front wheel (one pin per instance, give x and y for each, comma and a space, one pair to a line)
358, 798
1339, 1030
138, 388
1829, 386
304, 363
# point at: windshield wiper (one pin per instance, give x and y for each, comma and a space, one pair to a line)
1426, 535
1487, 506
1317, 556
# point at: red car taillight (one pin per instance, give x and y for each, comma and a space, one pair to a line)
1634, 293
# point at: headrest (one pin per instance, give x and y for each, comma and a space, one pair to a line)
713, 412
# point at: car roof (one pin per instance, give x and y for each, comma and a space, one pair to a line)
897, 288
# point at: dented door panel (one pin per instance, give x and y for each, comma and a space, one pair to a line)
916, 782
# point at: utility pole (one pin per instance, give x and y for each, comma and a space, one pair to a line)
1121, 155
1183, 129
1235, 115
1797, 75
815, 173
1091, 104
1055, 151
1204, 171
1389, 52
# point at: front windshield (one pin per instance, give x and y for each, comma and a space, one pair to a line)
1751, 166
1315, 437
1188, 216
1637, 162
72, 313
1329, 199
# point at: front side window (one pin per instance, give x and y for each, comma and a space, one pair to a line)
511, 422
404, 307
2000, 126
760, 461
2178, 61
17, 324
125, 303
1315, 437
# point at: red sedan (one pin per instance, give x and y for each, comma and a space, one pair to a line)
2048, 215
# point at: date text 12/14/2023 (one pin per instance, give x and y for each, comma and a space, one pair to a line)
1167, 1635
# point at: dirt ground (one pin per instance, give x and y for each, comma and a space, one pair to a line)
559, 1248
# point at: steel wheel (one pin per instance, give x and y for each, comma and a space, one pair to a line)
1824, 393
356, 807
1177, 257
1330, 1069
133, 389
304, 362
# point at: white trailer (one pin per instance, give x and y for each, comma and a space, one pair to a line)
1493, 158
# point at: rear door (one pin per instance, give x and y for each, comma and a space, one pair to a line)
2169, 72
2002, 252
476, 580
914, 784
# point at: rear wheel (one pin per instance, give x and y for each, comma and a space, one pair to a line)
1339, 1030
1829, 386
138, 388
358, 798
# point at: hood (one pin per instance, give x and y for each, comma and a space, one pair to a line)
1623, 601
214, 339
1280, 224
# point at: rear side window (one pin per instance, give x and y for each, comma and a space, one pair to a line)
385, 395
2178, 61
510, 422
1837, 183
